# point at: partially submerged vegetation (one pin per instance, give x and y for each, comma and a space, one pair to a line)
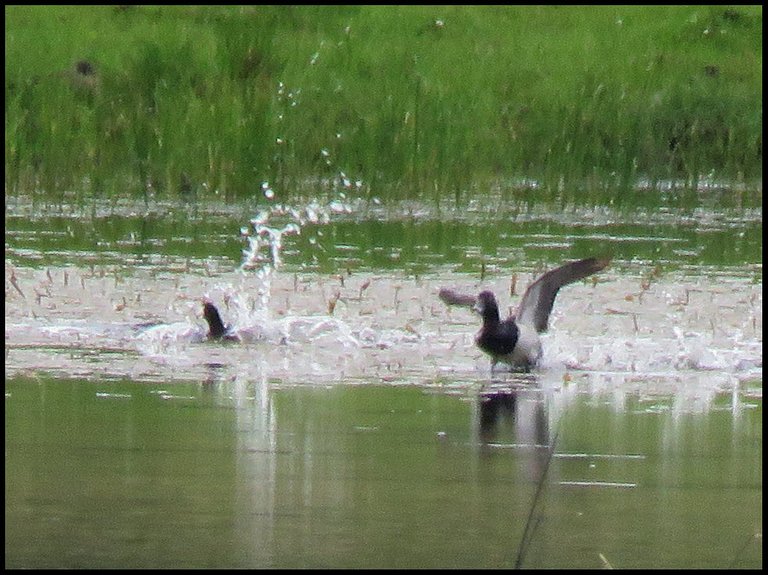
412, 101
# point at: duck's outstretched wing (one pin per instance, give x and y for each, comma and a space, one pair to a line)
538, 299
451, 297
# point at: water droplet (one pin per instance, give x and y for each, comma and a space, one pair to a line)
261, 218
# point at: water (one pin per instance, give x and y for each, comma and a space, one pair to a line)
126, 474
357, 425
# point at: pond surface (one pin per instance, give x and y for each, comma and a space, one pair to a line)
243, 474
357, 425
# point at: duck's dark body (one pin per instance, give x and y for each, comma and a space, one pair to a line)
517, 345
497, 338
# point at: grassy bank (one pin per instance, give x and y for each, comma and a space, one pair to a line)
406, 101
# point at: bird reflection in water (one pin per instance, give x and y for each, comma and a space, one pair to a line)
494, 408
514, 421
513, 416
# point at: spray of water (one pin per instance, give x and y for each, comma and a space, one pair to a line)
265, 237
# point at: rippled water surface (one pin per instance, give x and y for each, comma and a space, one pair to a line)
356, 425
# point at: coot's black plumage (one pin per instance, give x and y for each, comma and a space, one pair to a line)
515, 340
216, 328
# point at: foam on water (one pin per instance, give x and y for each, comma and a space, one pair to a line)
623, 332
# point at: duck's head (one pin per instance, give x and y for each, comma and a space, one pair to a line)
486, 305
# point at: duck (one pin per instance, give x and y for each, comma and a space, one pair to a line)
515, 341
216, 328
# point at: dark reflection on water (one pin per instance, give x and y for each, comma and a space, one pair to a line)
125, 474
499, 417
495, 407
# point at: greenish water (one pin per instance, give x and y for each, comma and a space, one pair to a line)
368, 433
410, 237
129, 474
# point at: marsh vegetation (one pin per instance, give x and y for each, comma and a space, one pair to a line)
558, 103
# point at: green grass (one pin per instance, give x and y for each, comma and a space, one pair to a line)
412, 101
